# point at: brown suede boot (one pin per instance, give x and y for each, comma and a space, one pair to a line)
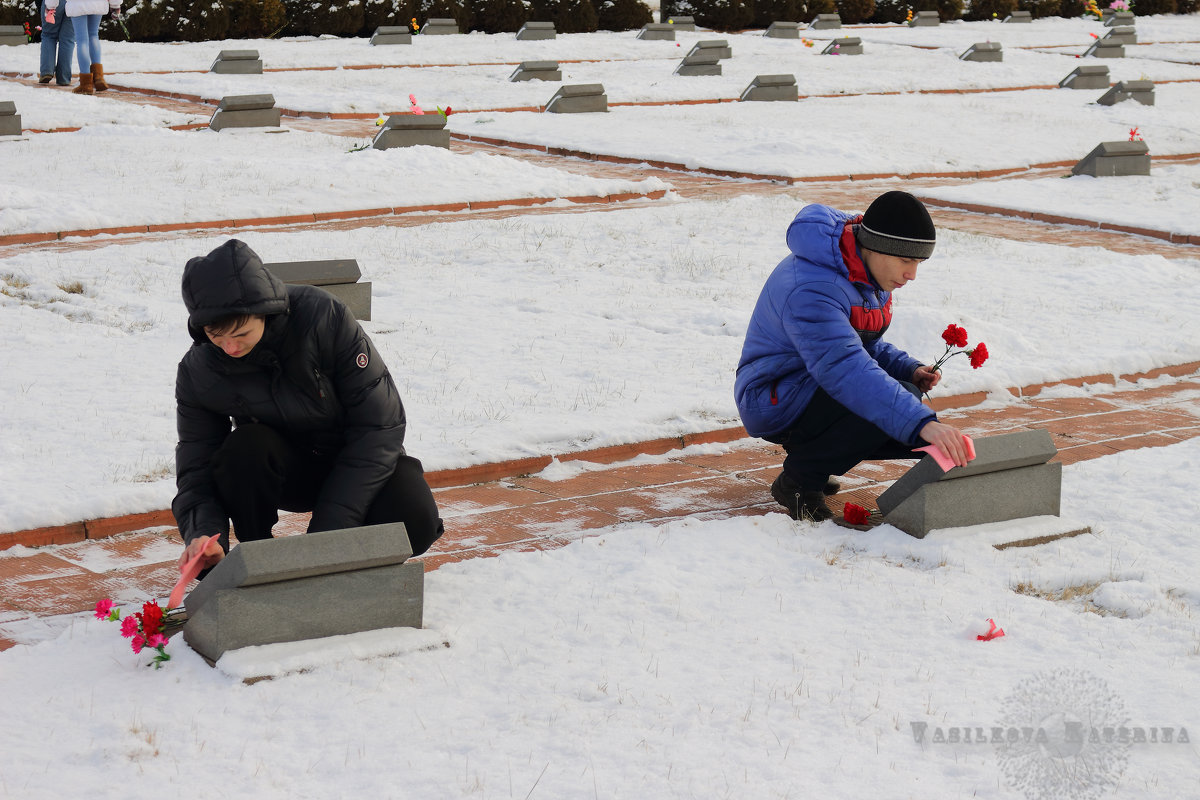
98, 78
85, 84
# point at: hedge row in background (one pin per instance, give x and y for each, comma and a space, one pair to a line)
205, 20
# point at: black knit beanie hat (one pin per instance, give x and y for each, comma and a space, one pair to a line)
897, 224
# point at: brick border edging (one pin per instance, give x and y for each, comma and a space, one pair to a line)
485, 473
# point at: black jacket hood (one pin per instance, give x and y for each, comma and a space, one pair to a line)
229, 280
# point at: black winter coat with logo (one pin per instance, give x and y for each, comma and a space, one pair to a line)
315, 377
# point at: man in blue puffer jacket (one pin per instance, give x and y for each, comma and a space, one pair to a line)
815, 374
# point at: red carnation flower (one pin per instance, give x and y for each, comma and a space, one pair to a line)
855, 515
151, 617
954, 336
978, 355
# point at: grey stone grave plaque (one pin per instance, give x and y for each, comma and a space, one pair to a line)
983, 51
1019, 16
578, 98
1115, 18
246, 111
846, 46
338, 276
1110, 159
237, 62
410, 130
1125, 34
1141, 91
10, 120
657, 31
440, 26
306, 587
391, 34
537, 71
703, 58
826, 21
1086, 77
681, 23
771, 87
14, 34
925, 19
1010, 478
1105, 48
783, 30
536, 31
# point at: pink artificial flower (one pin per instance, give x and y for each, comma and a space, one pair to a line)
129, 626
157, 640
103, 609
416, 109
137, 643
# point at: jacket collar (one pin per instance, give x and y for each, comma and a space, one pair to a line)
848, 245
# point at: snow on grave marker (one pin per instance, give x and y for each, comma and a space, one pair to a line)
771, 87
925, 19
1114, 18
246, 111
391, 34
1111, 159
1126, 34
1105, 48
263, 592
237, 62
536, 71
411, 130
578, 98
440, 26
783, 30
10, 120
338, 276
1141, 91
846, 46
983, 51
679, 23
1009, 478
657, 31
703, 58
1019, 16
1086, 77
826, 22
536, 31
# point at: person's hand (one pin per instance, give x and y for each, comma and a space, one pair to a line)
212, 553
50, 15
116, 13
925, 378
948, 439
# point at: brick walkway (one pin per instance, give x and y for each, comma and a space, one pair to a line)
506, 508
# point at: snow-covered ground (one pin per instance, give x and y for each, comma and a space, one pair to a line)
749, 658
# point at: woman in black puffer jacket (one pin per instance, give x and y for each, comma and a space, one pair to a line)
284, 403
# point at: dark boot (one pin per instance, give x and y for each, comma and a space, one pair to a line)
800, 504
45, 78
85, 84
98, 78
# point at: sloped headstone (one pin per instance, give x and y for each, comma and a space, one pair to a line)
306, 587
704, 58
1105, 48
10, 120
1111, 159
1019, 16
983, 51
1086, 77
783, 30
536, 31
925, 19
1115, 18
391, 34
771, 87
237, 62
826, 21
536, 71
1141, 91
846, 46
1124, 34
440, 26
339, 276
246, 111
1010, 478
681, 23
657, 31
578, 98
14, 34
411, 130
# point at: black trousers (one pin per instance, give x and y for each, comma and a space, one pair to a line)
258, 472
830, 439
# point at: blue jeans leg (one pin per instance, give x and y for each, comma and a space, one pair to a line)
66, 48
87, 41
57, 42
